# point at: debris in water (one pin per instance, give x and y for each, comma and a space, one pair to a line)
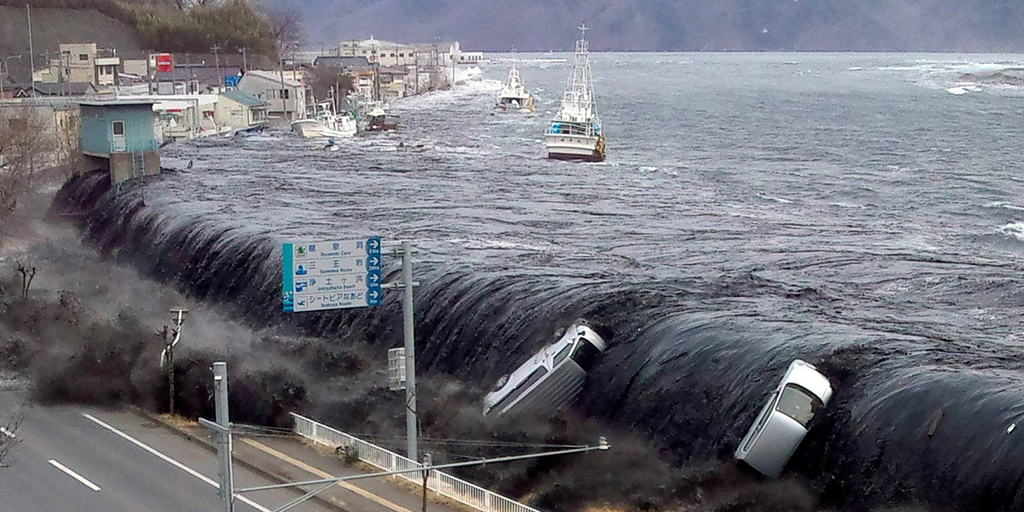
1011, 428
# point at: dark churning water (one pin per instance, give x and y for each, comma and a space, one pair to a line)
863, 212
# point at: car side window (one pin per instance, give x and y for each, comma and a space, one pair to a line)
798, 404
562, 354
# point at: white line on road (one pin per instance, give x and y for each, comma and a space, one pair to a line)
7, 433
172, 462
74, 475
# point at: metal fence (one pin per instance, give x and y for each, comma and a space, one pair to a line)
442, 483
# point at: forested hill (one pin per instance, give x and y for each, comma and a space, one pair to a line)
854, 25
131, 25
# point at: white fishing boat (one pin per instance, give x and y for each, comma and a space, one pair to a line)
513, 95
575, 131
321, 121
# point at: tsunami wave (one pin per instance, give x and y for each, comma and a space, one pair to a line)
917, 416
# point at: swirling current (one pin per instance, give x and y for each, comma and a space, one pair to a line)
862, 212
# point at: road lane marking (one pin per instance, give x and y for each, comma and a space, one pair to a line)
323, 474
171, 461
7, 433
74, 475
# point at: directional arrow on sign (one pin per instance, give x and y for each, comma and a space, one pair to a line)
373, 278
373, 261
373, 243
373, 294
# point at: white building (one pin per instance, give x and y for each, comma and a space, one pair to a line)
241, 111
286, 96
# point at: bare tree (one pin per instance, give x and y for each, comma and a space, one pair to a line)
28, 148
289, 33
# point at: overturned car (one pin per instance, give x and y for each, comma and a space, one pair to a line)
785, 419
551, 378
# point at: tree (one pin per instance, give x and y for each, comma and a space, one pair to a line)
28, 148
323, 79
288, 32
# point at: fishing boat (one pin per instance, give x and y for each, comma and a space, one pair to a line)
513, 95
575, 131
376, 119
321, 121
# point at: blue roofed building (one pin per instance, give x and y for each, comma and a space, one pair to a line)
120, 135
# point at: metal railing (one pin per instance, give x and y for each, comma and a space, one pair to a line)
442, 483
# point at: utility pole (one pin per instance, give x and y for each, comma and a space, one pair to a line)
222, 426
411, 426
216, 60
406, 285
245, 63
31, 51
284, 104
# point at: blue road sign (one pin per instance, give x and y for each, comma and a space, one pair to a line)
331, 275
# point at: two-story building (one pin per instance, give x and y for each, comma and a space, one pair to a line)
285, 95
82, 63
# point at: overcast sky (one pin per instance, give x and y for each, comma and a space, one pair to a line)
541, 25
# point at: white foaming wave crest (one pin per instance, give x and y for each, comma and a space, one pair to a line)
773, 198
1014, 229
1004, 205
454, 95
498, 244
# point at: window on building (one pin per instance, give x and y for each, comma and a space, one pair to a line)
401, 55
118, 127
285, 94
392, 55
83, 56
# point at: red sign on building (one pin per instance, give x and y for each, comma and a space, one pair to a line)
164, 62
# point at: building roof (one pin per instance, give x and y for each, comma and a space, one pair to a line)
343, 62
370, 43
245, 99
273, 76
63, 89
205, 75
120, 102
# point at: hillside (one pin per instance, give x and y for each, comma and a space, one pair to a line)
50, 27
131, 26
539, 25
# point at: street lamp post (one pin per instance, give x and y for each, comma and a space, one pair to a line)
178, 318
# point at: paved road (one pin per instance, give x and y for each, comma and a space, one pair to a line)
64, 454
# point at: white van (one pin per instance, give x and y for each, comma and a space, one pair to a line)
551, 378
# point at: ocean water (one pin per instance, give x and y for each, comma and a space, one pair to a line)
863, 212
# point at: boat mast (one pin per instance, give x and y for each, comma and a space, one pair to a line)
579, 92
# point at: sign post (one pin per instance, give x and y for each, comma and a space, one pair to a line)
331, 275
341, 274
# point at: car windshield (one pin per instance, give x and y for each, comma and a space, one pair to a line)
798, 404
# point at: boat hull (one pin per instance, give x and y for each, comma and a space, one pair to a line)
575, 147
311, 128
308, 128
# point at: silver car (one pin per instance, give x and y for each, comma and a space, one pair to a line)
551, 378
783, 421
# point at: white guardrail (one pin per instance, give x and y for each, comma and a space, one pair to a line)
442, 483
